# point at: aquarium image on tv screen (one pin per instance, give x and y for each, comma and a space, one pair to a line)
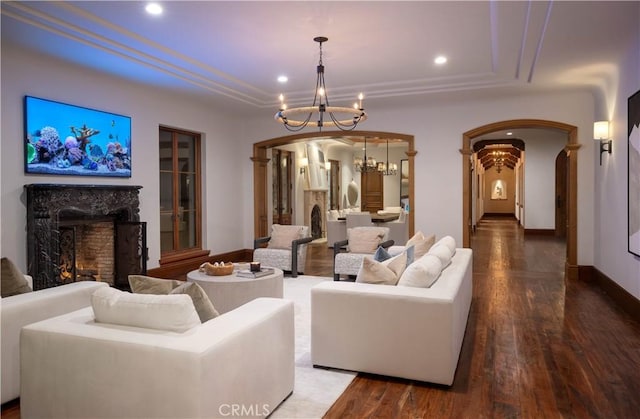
64, 139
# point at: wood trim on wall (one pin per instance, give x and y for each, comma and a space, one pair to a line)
571, 148
539, 232
260, 160
619, 295
180, 268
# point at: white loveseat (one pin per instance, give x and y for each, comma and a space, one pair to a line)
413, 333
23, 309
238, 364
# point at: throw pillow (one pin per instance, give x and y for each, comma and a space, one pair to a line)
204, 306
174, 313
141, 284
13, 281
442, 252
387, 272
422, 273
283, 235
422, 243
410, 251
381, 254
373, 272
397, 264
364, 239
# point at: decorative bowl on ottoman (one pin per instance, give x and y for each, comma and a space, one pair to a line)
217, 269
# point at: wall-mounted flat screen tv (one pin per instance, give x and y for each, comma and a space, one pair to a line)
64, 139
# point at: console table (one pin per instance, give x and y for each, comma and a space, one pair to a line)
227, 292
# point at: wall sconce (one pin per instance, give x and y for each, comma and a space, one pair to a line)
304, 162
601, 133
327, 166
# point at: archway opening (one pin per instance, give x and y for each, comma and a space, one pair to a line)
261, 162
571, 147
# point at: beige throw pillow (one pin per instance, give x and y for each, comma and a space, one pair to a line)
422, 243
204, 306
387, 272
13, 281
141, 284
283, 235
365, 239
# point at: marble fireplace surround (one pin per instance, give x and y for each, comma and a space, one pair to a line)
49, 206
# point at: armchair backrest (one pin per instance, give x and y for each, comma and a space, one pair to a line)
358, 219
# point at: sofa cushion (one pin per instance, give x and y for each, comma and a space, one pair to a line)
364, 239
141, 284
422, 273
442, 252
13, 281
174, 313
283, 235
204, 307
387, 272
422, 243
448, 241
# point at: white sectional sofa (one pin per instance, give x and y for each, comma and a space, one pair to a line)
238, 364
23, 309
413, 333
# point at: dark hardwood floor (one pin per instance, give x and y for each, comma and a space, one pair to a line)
535, 346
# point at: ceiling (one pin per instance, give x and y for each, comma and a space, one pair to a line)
229, 54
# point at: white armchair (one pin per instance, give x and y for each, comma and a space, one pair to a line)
286, 249
361, 242
73, 366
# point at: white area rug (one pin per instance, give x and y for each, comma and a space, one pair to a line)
315, 389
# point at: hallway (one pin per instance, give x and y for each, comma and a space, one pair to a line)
534, 346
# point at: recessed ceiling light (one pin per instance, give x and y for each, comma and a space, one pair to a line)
153, 9
509, 133
283, 79
440, 59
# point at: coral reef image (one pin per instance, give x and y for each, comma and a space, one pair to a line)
65, 139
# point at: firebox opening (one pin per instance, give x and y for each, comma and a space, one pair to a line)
316, 222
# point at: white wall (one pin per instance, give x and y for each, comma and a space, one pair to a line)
28, 74
611, 230
542, 148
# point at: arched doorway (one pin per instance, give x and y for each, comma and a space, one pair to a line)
261, 161
571, 148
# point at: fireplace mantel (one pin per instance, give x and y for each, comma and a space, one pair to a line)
50, 204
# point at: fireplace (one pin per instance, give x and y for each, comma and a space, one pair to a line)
315, 212
84, 232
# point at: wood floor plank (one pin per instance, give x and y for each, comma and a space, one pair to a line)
535, 345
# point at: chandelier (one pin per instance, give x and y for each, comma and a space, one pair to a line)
343, 118
387, 168
365, 164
